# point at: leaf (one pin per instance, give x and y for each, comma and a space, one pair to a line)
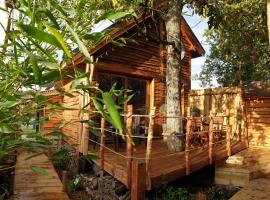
95, 132
9, 104
81, 46
52, 18
91, 157
112, 16
39, 35
38, 170
56, 5
36, 70
50, 65
59, 107
113, 111
4, 128
60, 40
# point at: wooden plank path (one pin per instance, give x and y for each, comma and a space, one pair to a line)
31, 186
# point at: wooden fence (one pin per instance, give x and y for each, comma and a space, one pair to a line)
221, 101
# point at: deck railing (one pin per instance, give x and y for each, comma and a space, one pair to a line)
197, 136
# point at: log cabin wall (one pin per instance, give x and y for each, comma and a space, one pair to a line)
146, 59
73, 127
258, 121
55, 116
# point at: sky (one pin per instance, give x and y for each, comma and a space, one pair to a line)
197, 25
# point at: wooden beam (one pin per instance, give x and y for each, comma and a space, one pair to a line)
102, 143
138, 181
149, 146
187, 149
129, 145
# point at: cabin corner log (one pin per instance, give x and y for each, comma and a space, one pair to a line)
102, 143
187, 149
138, 184
149, 146
129, 143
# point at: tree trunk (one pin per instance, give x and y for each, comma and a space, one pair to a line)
268, 18
173, 107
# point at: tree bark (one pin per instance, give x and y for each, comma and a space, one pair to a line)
173, 107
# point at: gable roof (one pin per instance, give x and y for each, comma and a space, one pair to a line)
116, 30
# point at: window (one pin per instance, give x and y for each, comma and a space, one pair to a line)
138, 87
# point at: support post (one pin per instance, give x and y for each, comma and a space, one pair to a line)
149, 146
65, 180
228, 133
102, 143
129, 143
211, 138
138, 186
187, 149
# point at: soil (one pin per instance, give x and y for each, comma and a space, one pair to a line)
198, 186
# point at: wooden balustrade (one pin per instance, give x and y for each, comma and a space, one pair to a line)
102, 143
187, 149
211, 139
129, 143
228, 133
149, 146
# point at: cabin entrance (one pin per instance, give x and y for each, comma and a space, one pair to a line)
138, 87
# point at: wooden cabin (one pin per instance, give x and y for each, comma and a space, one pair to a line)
140, 66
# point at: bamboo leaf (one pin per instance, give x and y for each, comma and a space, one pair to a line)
113, 111
60, 40
36, 70
38, 170
52, 18
83, 49
39, 35
91, 157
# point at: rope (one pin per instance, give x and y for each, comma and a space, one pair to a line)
144, 158
154, 137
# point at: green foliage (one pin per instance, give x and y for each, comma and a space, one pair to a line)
75, 184
38, 170
43, 37
216, 193
238, 41
170, 193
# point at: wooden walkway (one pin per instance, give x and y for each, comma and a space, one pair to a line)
30, 186
166, 166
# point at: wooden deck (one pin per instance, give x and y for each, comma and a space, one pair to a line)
165, 166
30, 186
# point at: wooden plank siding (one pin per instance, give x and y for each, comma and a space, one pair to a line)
258, 120
55, 116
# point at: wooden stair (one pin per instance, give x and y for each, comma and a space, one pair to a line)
241, 168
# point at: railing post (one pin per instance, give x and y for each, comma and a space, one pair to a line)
187, 149
138, 185
102, 143
149, 146
129, 145
211, 138
228, 133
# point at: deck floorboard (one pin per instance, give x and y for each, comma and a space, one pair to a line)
166, 166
